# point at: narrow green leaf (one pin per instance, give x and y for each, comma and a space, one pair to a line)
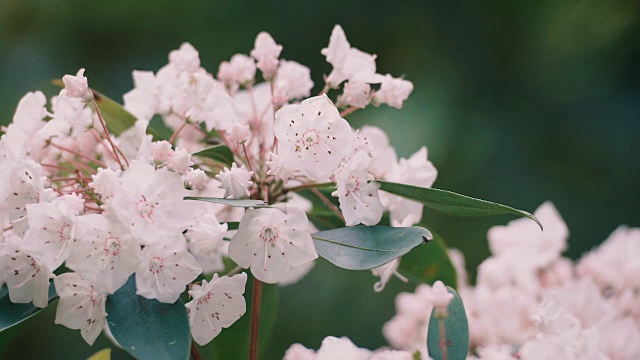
233, 342
452, 203
117, 119
428, 263
13, 314
231, 202
456, 332
367, 247
148, 329
219, 153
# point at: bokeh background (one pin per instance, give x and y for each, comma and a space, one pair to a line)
518, 102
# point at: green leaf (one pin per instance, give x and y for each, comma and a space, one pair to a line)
117, 119
13, 314
104, 354
428, 263
231, 202
219, 153
233, 342
451, 203
456, 332
233, 225
158, 129
148, 329
367, 247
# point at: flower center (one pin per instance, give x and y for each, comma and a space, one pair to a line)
352, 185
64, 233
308, 139
145, 208
156, 264
112, 246
269, 234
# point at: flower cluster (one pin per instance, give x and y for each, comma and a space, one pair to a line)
529, 302
91, 207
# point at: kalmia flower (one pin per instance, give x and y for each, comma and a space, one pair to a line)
165, 270
77, 86
235, 181
81, 306
271, 241
215, 305
312, 137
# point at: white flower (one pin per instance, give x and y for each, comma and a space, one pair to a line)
70, 117
238, 133
356, 94
265, 46
348, 63
358, 194
299, 352
106, 182
278, 169
385, 272
614, 263
440, 298
151, 203
196, 178
266, 51
271, 241
393, 91
81, 306
50, 234
77, 86
235, 181
417, 171
205, 241
105, 252
180, 161
525, 244
294, 78
333, 348
27, 277
241, 69
161, 151
216, 305
312, 137
164, 271
185, 59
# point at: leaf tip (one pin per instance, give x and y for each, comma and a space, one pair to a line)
532, 217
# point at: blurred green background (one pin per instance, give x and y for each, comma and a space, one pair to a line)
518, 101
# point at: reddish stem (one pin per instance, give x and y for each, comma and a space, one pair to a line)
106, 132
175, 134
255, 319
349, 111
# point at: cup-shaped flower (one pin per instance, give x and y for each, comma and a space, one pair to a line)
358, 194
271, 241
105, 252
165, 271
216, 305
77, 86
312, 137
27, 277
81, 306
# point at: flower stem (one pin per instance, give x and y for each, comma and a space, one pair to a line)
328, 202
255, 319
195, 353
348, 111
106, 132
